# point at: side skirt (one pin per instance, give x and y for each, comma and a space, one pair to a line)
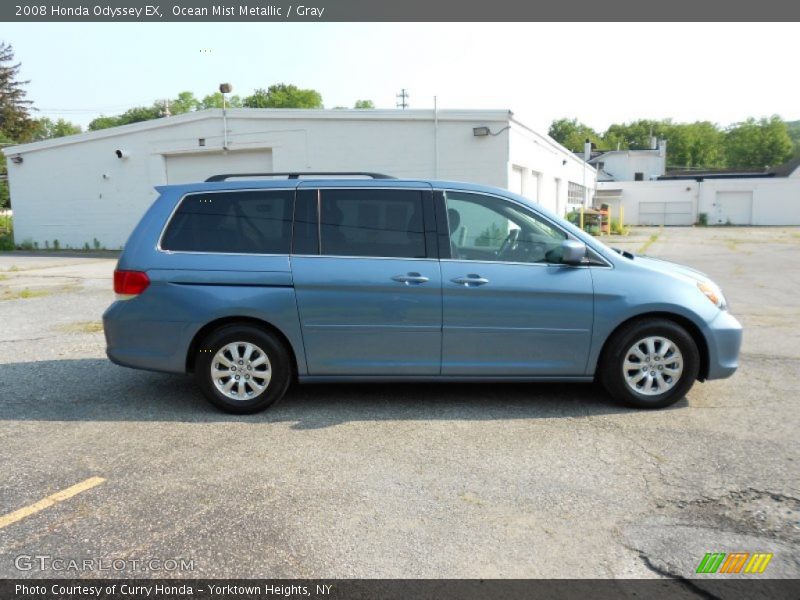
437, 378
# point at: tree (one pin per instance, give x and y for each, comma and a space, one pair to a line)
572, 134
46, 129
15, 119
185, 102
132, 115
794, 134
698, 144
635, 135
215, 101
281, 95
758, 143
364, 104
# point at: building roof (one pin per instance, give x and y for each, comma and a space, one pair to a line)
271, 113
784, 170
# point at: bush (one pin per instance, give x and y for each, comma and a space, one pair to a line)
702, 219
6, 242
26, 244
618, 228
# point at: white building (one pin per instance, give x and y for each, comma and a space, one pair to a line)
96, 185
630, 165
770, 198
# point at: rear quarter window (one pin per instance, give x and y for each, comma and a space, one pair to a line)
246, 222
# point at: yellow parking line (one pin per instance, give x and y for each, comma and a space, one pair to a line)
34, 508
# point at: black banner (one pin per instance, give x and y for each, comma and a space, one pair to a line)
406, 10
397, 589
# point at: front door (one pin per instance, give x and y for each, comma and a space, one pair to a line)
369, 291
510, 308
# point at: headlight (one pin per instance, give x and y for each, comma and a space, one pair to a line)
713, 293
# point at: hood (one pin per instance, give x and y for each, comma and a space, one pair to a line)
669, 268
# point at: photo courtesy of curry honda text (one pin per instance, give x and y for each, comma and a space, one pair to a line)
253, 283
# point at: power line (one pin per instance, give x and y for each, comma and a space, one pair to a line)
403, 99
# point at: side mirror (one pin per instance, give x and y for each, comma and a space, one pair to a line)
572, 252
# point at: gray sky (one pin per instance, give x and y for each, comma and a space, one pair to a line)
599, 73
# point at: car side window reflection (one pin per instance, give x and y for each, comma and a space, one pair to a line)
486, 228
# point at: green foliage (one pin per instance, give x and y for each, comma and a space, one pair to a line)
492, 236
46, 129
56, 245
15, 120
132, 115
572, 135
755, 143
793, 128
618, 228
6, 233
758, 143
574, 217
26, 244
215, 101
281, 95
364, 104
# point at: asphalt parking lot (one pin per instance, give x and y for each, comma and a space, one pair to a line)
399, 480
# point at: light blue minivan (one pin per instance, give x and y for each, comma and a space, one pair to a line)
252, 283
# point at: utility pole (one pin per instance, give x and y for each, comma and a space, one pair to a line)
402, 99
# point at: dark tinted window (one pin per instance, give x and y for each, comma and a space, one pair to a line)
386, 223
252, 222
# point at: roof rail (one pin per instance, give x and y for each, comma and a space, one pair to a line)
297, 175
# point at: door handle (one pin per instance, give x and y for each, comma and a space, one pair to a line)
410, 278
470, 280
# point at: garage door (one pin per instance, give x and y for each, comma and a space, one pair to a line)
666, 213
735, 208
187, 168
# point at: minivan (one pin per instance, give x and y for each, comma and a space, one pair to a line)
254, 282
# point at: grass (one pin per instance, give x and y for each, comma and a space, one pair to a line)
23, 294
6, 233
653, 238
82, 327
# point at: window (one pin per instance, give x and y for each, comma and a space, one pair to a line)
247, 222
638, 176
576, 193
368, 222
489, 228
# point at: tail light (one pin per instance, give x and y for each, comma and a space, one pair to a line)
130, 283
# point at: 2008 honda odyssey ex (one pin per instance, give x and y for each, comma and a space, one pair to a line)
252, 284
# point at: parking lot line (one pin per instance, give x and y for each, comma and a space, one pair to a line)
49, 501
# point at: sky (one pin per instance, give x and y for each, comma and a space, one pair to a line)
599, 73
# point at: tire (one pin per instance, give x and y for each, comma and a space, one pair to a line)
667, 372
258, 387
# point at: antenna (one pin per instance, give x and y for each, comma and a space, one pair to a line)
403, 99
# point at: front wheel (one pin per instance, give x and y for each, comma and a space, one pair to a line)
242, 369
650, 363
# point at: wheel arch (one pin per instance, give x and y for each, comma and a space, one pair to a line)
689, 325
206, 330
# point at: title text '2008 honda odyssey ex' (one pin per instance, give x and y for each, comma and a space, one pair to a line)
252, 284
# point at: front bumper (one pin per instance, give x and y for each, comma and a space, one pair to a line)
724, 338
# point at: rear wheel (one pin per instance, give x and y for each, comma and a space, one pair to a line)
242, 369
650, 363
